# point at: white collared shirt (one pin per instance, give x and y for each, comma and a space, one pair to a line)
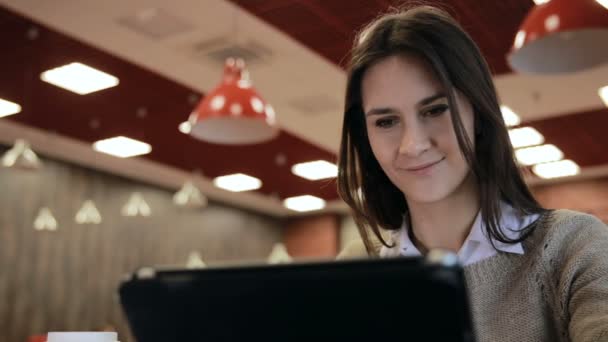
477, 245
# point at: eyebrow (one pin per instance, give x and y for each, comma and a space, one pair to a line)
423, 102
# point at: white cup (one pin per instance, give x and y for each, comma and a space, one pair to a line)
82, 336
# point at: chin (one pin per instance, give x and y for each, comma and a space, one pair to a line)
426, 195
425, 198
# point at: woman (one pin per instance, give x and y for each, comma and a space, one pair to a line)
426, 158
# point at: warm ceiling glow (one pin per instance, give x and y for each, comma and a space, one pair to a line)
603, 3
538, 154
562, 168
79, 78
540, 2
304, 203
122, 147
315, 170
237, 182
8, 108
603, 92
509, 116
525, 136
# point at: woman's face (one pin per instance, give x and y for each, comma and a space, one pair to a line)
410, 128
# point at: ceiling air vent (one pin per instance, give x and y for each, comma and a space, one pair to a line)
315, 104
155, 23
217, 50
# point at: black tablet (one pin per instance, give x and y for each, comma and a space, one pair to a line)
402, 299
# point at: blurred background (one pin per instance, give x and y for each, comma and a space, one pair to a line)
80, 208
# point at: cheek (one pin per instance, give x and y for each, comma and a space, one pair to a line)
381, 147
444, 136
447, 144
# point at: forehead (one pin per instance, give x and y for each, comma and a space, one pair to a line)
400, 80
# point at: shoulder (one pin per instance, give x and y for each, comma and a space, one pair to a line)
565, 233
568, 225
573, 251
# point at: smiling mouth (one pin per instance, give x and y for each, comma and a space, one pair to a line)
424, 166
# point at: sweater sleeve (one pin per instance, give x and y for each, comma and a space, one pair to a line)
584, 278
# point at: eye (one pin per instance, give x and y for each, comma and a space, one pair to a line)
386, 122
435, 111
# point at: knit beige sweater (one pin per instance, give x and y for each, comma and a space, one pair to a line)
556, 291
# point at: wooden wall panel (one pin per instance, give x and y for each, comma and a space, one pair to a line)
67, 280
312, 237
589, 196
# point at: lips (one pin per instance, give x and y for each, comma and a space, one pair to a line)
423, 166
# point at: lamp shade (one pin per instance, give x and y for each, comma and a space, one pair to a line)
562, 36
233, 113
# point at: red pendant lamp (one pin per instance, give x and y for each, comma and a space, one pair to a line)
562, 36
233, 113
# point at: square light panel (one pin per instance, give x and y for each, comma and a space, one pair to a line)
8, 108
315, 170
562, 168
509, 116
304, 203
122, 147
603, 92
79, 78
525, 136
237, 182
538, 154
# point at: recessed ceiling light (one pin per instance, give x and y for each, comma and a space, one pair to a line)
79, 78
603, 3
304, 203
8, 108
525, 136
603, 92
562, 168
538, 154
509, 116
315, 170
237, 182
540, 2
122, 147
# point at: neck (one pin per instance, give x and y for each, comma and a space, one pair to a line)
447, 223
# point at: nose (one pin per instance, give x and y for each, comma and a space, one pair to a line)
414, 141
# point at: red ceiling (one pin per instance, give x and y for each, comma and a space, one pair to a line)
324, 26
329, 26
115, 111
581, 136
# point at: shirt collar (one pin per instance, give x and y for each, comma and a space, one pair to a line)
510, 223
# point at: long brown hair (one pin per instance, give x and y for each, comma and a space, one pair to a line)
433, 35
